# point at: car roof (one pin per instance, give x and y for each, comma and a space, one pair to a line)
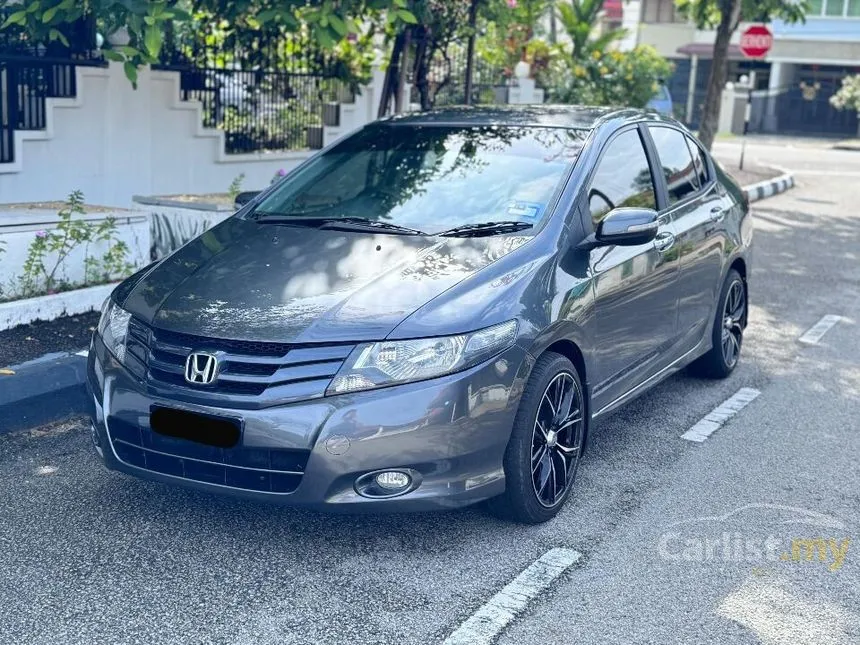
558, 116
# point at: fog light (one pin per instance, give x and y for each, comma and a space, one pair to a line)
393, 480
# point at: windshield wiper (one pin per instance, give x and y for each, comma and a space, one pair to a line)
485, 228
338, 223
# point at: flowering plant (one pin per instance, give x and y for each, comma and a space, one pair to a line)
278, 175
610, 77
49, 250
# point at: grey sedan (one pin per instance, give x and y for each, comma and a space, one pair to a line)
431, 312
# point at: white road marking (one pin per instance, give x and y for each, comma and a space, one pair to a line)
720, 414
815, 333
484, 625
83, 352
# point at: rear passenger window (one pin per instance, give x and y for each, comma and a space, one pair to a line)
699, 162
622, 178
678, 168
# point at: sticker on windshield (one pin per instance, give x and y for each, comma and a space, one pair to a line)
517, 208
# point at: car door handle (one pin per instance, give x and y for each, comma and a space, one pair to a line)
664, 241
718, 214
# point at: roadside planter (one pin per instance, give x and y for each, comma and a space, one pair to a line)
175, 220
63, 258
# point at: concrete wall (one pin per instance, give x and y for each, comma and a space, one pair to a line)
18, 228
112, 142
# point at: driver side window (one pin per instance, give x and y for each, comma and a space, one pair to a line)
623, 178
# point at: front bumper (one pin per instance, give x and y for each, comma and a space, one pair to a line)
450, 433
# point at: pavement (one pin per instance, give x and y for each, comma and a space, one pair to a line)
665, 540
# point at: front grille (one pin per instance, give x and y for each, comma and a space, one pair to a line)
253, 469
251, 374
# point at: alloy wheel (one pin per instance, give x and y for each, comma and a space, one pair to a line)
557, 439
733, 318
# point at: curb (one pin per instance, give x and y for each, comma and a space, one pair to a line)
42, 391
769, 187
67, 303
52, 388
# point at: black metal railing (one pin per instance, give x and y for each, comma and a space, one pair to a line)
801, 109
266, 91
31, 72
446, 79
265, 110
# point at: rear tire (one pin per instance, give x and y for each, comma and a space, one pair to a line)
546, 443
728, 331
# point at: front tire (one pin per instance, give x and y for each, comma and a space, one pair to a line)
546, 443
728, 331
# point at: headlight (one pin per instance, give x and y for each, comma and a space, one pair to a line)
113, 328
373, 365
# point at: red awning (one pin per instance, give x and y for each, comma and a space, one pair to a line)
706, 50
613, 9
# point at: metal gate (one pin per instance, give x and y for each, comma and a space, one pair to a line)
802, 109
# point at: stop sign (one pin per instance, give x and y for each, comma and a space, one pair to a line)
756, 41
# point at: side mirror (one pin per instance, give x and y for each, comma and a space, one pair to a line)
244, 198
627, 227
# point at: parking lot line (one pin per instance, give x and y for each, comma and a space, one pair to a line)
817, 331
488, 622
83, 352
720, 414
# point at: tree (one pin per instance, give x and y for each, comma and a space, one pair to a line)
579, 19
726, 16
848, 96
328, 23
590, 71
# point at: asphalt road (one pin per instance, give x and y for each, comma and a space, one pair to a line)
88, 556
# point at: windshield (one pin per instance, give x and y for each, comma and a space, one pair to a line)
431, 178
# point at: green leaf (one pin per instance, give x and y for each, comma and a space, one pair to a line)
49, 14
149, 20
325, 38
400, 3
131, 72
267, 15
17, 18
337, 24
34, 7
152, 40
407, 16
112, 55
56, 35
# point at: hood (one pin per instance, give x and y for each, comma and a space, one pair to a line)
266, 282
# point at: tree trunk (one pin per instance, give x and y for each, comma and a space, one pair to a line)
391, 74
470, 51
423, 53
729, 20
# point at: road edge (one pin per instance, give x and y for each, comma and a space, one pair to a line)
769, 187
43, 391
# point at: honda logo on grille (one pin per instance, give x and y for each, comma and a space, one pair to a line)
201, 368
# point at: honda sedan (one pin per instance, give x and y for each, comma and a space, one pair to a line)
431, 312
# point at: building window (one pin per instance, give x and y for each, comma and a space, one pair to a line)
834, 8
660, 11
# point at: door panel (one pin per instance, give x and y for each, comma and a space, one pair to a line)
634, 286
696, 209
635, 312
700, 248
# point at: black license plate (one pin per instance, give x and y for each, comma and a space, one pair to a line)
220, 432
